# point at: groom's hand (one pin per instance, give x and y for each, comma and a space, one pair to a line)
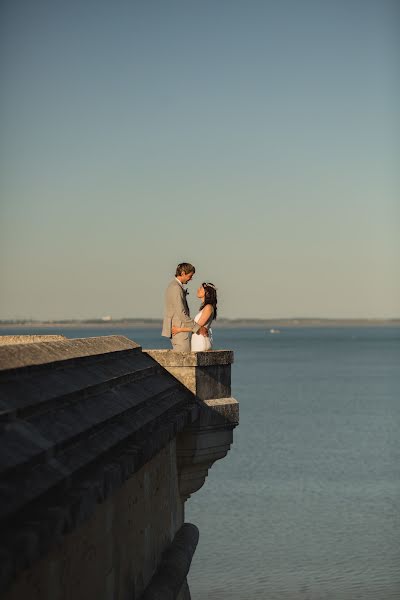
203, 331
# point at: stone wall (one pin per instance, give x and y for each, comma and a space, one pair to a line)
101, 446
12, 340
115, 553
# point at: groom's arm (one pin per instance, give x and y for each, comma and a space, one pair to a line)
175, 298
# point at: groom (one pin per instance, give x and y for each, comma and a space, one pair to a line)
176, 310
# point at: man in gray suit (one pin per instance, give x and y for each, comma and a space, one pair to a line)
176, 310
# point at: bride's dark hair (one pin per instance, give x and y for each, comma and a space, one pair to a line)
210, 297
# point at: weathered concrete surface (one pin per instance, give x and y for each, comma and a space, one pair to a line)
100, 447
78, 419
171, 358
199, 446
24, 355
205, 374
116, 552
174, 566
208, 376
228, 408
8, 340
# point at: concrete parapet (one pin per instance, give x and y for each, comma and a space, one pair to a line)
206, 374
101, 444
37, 353
209, 438
172, 358
8, 340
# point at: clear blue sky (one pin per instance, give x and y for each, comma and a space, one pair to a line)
257, 140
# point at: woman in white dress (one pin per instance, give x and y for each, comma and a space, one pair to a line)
207, 293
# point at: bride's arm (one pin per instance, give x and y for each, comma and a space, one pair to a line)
205, 314
204, 317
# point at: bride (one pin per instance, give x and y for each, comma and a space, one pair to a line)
207, 293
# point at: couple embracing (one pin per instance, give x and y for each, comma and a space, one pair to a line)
188, 334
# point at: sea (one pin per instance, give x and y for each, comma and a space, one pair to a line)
306, 505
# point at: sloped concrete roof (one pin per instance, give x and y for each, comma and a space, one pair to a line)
7, 340
77, 418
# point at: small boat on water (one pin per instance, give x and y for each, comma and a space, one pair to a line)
274, 331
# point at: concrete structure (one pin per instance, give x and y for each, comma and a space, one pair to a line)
11, 340
101, 444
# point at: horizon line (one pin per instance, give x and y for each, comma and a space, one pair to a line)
108, 320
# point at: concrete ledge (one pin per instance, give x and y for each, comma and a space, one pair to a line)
205, 374
171, 358
227, 407
26, 355
8, 340
174, 566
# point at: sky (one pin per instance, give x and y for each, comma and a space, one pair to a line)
258, 140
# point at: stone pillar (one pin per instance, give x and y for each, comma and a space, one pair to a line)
208, 376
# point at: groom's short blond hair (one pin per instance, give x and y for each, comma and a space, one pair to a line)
184, 268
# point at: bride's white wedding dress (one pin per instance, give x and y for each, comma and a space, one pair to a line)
199, 342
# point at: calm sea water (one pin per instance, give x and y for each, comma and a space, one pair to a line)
306, 506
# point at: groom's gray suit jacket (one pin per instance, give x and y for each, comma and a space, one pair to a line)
176, 310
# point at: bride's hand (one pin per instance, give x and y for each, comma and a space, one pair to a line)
175, 329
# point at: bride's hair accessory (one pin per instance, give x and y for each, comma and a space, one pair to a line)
210, 296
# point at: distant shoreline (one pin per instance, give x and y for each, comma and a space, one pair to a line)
221, 323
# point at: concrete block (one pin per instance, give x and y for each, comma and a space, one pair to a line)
10, 340
205, 374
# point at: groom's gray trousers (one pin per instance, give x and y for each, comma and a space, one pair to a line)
176, 312
181, 342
